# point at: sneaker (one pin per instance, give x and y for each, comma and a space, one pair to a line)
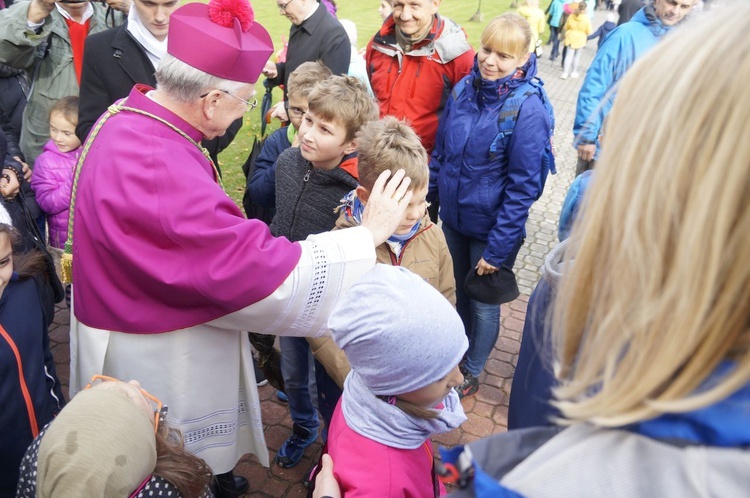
469, 386
293, 448
564, 76
260, 377
574, 75
281, 396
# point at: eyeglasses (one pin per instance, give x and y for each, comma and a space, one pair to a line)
282, 6
160, 410
297, 112
249, 104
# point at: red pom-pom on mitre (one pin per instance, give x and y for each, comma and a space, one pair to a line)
224, 12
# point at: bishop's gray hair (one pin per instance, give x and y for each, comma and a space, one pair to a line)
186, 83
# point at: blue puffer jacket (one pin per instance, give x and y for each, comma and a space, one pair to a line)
620, 50
483, 197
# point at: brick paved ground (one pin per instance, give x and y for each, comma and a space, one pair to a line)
488, 410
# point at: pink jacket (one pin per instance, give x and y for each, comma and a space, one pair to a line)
366, 468
52, 182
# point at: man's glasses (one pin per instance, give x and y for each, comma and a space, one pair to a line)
282, 6
160, 410
249, 104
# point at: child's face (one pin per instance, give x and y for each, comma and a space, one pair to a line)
6, 261
432, 394
63, 133
414, 211
385, 9
296, 110
323, 142
494, 65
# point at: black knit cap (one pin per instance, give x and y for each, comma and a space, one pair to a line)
496, 288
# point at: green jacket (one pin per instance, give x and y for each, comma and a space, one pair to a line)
53, 75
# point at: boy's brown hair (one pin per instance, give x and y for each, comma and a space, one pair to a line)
343, 99
68, 107
305, 77
390, 144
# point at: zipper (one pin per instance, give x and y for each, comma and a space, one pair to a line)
22, 381
305, 179
397, 261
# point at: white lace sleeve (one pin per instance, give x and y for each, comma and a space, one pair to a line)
330, 263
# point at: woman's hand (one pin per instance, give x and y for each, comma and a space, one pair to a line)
326, 485
386, 205
484, 268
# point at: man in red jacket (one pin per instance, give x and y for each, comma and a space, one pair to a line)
413, 62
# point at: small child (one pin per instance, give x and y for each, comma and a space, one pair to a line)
530, 11
486, 185
261, 184
603, 30
357, 64
418, 244
310, 182
385, 9
404, 341
52, 179
577, 30
31, 393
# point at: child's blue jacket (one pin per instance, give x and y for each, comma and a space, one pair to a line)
483, 197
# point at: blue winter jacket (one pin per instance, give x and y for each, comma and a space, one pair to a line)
262, 183
620, 50
483, 197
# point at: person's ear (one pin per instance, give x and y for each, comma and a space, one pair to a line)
525, 59
350, 147
362, 194
210, 104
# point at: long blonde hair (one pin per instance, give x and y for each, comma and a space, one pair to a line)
659, 292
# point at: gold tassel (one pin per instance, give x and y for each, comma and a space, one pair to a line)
66, 265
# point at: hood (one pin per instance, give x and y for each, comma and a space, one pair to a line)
492, 91
555, 264
647, 17
722, 424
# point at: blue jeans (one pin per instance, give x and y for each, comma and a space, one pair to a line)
481, 321
555, 39
298, 369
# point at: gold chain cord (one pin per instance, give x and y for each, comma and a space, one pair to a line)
67, 257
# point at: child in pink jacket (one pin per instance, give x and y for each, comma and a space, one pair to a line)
404, 341
52, 179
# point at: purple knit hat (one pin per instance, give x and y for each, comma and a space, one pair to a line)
221, 39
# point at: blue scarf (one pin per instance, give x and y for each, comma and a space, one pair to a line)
353, 209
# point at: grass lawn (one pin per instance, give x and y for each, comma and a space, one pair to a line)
364, 14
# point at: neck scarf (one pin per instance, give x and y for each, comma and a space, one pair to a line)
407, 43
154, 48
376, 419
353, 209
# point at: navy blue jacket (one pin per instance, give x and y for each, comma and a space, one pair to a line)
23, 320
483, 197
262, 183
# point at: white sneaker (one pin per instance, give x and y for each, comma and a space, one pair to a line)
564, 76
574, 75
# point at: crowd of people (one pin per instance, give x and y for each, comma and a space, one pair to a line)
396, 195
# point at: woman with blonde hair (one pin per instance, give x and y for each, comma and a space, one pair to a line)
651, 324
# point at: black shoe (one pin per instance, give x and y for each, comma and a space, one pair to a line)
469, 386
229, 485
